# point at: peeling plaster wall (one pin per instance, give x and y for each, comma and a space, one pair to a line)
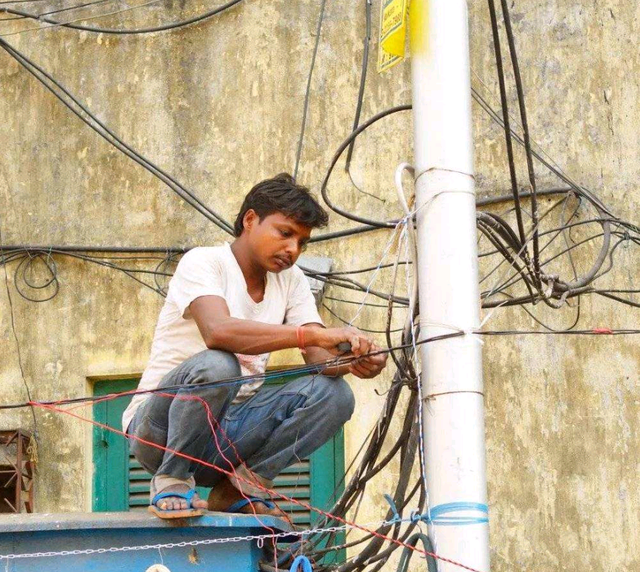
219, 106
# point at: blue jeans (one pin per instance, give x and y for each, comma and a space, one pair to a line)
270, 431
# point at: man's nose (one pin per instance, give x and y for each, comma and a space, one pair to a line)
293, 247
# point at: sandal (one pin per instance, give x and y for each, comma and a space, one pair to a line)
236, 506
181, 513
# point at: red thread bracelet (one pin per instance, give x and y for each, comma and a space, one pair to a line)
300, 337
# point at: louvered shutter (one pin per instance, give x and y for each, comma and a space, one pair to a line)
294, 482
139, 481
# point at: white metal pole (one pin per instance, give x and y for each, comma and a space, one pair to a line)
448, 281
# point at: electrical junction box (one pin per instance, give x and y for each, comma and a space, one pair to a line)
316, 264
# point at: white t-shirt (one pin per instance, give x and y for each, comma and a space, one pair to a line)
214, 271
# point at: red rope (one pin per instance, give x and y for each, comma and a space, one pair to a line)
258, 485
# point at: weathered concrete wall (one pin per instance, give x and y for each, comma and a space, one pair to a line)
219, 106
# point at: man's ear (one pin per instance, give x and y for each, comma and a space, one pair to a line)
250, 219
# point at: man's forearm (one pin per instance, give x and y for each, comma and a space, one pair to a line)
249, 337
222, 332
252, 338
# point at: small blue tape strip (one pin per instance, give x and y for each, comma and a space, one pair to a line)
301, 561
437, 514
394, 509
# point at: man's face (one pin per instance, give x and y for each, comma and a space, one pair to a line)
277, 241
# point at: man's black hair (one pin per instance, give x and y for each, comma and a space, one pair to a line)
281, 194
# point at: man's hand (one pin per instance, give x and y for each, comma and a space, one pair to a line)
317, 337
370, 366
329, 338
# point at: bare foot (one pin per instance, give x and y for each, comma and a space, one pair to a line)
177, 503
224, 494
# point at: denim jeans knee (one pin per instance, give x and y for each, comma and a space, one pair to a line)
143, 427
338, 393
213, 365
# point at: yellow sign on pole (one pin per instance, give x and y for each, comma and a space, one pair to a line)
393, 32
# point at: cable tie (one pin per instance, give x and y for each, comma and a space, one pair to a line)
394, 509
474, 334
416, 517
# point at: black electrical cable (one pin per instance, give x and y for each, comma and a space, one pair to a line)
342, 360
356, 302
342, 233
356, 486
27, 259
354, 134
75, 7
488, 201
357, 286
480, 202
581, 190
363, 79
101, 129
544, 215
100, 30
360, 270
12, 319
523, 274
507, 128
514, 279
33, 252
346, 322
525, 132
99, 249
617, 298
19, 250
558, 231
307, 95
235, 380
407, 553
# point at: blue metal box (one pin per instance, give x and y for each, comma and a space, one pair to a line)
38, 533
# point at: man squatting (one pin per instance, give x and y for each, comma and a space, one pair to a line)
227, 307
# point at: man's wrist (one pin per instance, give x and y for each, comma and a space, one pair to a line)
311, 335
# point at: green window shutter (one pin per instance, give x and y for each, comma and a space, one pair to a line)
119, 481
139, 482
295, 483
110, 450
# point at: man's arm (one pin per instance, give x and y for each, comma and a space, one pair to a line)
220, 331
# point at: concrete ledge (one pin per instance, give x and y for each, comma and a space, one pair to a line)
117, 520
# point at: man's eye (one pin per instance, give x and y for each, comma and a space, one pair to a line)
285, 233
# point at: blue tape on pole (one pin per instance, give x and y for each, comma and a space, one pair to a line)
439, 514
301, 562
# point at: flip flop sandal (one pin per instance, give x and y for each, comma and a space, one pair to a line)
182, 513
236, 506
